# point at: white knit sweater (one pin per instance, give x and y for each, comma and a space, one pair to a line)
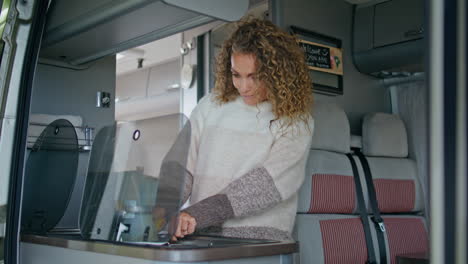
246, 172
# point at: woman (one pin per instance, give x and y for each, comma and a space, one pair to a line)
250, 138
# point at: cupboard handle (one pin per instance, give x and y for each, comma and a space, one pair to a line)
414, 32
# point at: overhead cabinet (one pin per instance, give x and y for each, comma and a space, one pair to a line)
83, 32
398, 21
388, 36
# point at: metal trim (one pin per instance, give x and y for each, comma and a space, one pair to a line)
461, 133
25, 27
436, 125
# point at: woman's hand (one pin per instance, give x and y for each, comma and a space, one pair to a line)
185, 226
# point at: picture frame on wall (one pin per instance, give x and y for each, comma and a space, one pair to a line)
324, 58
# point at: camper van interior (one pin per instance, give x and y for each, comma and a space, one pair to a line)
96, 99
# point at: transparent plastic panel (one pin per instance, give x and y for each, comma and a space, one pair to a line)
135, 180
49, 176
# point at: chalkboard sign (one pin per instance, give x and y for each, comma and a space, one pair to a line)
316, 56
324, 58
321, 57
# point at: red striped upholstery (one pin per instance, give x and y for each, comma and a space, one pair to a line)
343, 241
405, 235
395, 196
332, 194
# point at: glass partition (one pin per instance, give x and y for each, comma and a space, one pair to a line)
135, 180
49, 176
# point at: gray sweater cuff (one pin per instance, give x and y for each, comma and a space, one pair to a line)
211, 211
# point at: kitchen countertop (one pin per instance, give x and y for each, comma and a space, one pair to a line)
198, 248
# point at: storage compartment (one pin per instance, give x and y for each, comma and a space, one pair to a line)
397, 21
388, 37
80, 33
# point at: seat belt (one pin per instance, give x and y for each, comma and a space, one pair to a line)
371, 259
377, 219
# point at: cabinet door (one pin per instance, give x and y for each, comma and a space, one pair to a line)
397, 21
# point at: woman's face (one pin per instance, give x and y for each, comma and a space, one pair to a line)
244, 78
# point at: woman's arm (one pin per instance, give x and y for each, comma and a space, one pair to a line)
186, 224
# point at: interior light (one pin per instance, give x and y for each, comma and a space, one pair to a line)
174, 86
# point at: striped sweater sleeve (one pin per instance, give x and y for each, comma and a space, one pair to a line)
277, 179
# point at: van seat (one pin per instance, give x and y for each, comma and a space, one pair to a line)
398, 189
384, 143
328, 186
327, 227
330, 238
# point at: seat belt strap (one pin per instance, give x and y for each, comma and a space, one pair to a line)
363, 212
377, 219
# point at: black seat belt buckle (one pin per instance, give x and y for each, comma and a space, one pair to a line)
380, 223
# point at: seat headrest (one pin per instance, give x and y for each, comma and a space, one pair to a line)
384, 135
331, 131
356, 141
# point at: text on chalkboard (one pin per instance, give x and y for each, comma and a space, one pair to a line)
316, 56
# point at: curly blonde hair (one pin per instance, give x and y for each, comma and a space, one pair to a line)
280, 66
